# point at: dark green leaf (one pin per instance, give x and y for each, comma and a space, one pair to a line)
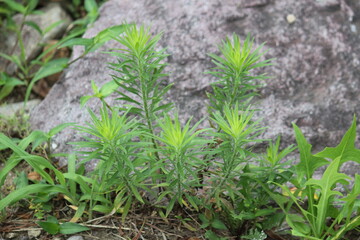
50, 227
217, 224
71, 228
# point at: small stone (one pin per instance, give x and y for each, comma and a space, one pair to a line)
57, 238
75, 237
11, 235
9, 110
291, 18
353, 28
34, 233
54, 146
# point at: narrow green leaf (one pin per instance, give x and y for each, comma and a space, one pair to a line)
34, 26
31, 6
87, 42
52, 26
59, 128
85, 99
23, 193
15, 6
50, 68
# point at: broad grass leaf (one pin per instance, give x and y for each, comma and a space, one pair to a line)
91, 6
7, 84
71, 228
31, 5
50, 68
23, 193
10, 164
36, 162
102, 208
50, 227
15, 6
218, 224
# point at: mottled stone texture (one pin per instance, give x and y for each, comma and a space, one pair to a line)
316, 76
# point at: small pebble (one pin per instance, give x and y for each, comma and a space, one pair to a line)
353, 28
34, 233
76, 237
11, 235
54, 146
291, 18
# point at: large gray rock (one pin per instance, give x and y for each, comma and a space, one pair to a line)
33, 41
316, 76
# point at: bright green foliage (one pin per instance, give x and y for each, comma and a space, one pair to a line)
181, 148
140, 73
235, 84
321, 196
118, 170
53, 226
234, 187
273, 156
237, 130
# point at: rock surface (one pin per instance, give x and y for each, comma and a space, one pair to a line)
10, 110
52, 14
316, 76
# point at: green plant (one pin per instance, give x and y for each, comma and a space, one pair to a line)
140, 72
53, 226
328, 214
44, 62
120, 168
147, 158
45, 168
181, 148
236, 84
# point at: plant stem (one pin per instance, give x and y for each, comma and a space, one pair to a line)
228, 169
